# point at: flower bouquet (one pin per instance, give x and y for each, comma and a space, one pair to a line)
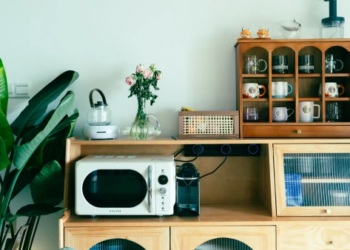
140, 84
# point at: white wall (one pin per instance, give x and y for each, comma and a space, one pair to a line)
190, 41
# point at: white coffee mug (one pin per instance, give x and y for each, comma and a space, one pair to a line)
306, 111
280, 89
251, 90
331, 89
280, 114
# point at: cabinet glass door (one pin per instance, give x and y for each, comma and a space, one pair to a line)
312, 179
223, 244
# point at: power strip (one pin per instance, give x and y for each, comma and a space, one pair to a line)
212, 150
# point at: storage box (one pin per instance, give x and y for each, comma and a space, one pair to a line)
209, 124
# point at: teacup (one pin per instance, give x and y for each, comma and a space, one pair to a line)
331, 89
280, 89
251, 90
280, 114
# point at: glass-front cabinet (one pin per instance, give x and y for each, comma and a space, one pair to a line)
223, 238
312, 179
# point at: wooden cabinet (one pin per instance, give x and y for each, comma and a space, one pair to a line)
192, 238
242, 203
138, 238
305, 88
312, 179
313, 237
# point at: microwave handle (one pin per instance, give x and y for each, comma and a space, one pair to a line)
150, 208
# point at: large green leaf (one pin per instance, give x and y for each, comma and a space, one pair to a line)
47, 186
24, 179
6, 132
38, 210
68, 121
25, 151
38, 104
4, 95
4, 160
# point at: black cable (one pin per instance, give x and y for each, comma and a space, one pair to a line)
179, 152
189, 160
222, 163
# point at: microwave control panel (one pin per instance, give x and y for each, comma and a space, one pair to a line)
165, 188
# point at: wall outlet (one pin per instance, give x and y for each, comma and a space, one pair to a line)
19, 89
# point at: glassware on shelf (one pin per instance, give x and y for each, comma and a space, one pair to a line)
290, 29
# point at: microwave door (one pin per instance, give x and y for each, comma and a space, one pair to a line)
126, 189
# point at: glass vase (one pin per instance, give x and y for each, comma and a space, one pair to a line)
139, 128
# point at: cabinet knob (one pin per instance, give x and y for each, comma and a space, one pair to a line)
328, 211
298, 131
333, 243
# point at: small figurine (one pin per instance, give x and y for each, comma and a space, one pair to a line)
263, 33
245, 33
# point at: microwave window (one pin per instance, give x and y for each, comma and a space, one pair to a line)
114, 188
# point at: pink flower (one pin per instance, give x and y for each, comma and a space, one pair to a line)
130, 80
140, 68
159, 75
147, 73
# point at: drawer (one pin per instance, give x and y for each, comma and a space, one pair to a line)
313, 237
295, 131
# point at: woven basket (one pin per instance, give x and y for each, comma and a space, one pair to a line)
209, 124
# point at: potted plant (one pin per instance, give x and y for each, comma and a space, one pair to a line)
32, 153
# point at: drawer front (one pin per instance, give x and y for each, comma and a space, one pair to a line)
313, 237
296, 131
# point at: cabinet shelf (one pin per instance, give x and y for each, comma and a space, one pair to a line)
310, 99
283, 75
254, 75
210, 215
337, 99
340, 180
338, 75
309, 75
283, 99
255, 99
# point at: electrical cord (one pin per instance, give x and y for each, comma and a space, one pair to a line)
189, 160
222, 163
182, 160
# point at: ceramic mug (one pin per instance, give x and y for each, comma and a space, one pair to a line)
280, 89
280, 114
331, 89
253, 114
306, 111
251, 90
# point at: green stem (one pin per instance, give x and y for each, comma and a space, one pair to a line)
6, 201
29, 233
3, 239
33, 235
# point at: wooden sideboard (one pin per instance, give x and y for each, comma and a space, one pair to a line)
241, 201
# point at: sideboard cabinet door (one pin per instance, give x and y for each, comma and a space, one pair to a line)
312, 179
237, 237
140, 238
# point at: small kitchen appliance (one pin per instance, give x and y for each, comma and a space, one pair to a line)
99, 118
333, 26
125, 185
188, 191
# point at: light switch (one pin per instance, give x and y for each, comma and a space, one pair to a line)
19, 89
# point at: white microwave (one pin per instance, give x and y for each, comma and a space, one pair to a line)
125, 185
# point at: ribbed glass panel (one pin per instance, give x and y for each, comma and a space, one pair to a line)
223, 244
117, 244
317, 179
